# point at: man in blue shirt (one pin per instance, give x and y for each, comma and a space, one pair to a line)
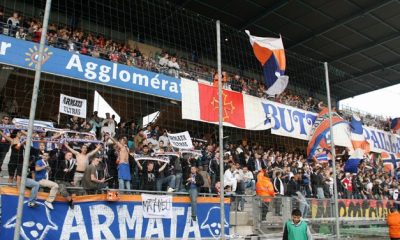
43, 169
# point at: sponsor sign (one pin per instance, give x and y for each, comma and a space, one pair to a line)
59, 62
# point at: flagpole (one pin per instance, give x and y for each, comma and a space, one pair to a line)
32, 113
335, 193
221, 133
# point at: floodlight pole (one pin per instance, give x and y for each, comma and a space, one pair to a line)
221, 133
32, 113
335, 193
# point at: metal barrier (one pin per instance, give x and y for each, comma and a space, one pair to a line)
357, 217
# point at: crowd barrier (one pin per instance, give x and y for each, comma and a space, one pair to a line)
96, 217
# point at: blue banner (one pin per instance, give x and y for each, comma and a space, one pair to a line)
60, 62
110, 220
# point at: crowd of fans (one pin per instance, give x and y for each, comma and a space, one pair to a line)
128, 157
98, 46
97, 153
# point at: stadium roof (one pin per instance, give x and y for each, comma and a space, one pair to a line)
359, 37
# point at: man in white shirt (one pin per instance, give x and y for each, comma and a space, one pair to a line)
164, 138
173, 67
230, 179
248, 179
154, 142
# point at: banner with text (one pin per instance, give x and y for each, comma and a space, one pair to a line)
24, 54
288, 121
157, 206
94, 218
180, 140
351, 208
73, 106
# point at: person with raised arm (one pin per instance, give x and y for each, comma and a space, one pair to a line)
17, 149
82, 160
124, 171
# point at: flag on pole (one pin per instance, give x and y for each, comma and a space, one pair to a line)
395, 125
271, 54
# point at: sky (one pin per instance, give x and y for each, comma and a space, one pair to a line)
384, 102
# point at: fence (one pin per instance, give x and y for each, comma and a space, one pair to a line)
361, 218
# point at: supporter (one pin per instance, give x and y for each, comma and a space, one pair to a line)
278, 184
230, 179
82, 161
110, 124
153, 141
193, 183
91, 180
4, 140
164, 138
148, 131
163, 62
13, 24
348, 186
165, 176
206, 187
124, 172
64, 176
149, 176
173, 67
176, 169
214, 168
293, 185
43, 169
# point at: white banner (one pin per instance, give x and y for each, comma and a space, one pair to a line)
180, 140
72, 106
157, 206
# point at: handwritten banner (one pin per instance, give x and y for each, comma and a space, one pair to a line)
72, 106
180, 140
157, 206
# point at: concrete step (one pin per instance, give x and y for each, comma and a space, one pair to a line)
241, 230
241, 218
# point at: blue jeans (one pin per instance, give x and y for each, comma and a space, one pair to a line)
193, 193
250, 184
30, 183
169, 179
178, 181
124, 184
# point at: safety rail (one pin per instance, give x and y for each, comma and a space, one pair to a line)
319, 215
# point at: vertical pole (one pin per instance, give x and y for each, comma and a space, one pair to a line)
335, 193
31, 119
221, 133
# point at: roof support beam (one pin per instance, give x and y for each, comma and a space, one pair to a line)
335, 24
265, 13
366, 47
370, 71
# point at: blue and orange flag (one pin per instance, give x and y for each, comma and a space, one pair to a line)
271, 54
395, 125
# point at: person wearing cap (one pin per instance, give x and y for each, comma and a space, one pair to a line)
265, 190
393, 222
